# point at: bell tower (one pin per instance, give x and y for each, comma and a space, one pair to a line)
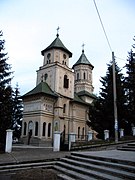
83, 77
55, 70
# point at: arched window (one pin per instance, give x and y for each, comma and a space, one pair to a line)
66, 81
44, 129
36, 128
77, 76
64, 108
49, 129
45, 76
25, 128
78, 132
83, 133
84, 75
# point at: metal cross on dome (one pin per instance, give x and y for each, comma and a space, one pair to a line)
83, 46
58, 29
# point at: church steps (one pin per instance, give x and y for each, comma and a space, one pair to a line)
124, 167
106, 159
100, 168
128, 147
81, 172
69, 174
79, 165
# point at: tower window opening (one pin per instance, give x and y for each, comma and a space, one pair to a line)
66, 81
77, 76
84, 75
45, 76
64, 108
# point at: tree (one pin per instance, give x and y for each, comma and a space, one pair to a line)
17, 113
95, 116
5, 95
130, 89
102, 114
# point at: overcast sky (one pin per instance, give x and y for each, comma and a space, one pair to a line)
29, 26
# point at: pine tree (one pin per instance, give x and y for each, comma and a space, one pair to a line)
130, 89
95, 116
17, 113
5, 95
103, 113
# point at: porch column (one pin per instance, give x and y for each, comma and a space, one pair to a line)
106, 134
121, 133
9, 134
56, 141
90, 135
133, 130
71, 139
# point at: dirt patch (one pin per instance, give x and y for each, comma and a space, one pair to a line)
35, 174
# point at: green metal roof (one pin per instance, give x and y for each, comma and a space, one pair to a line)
78, 99
83, 60
57, 43
41, 88
86, 93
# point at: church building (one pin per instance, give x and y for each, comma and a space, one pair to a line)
60, 101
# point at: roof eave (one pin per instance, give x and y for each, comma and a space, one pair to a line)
47, 49
83, 64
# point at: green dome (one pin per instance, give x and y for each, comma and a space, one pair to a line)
57, 44
83, 60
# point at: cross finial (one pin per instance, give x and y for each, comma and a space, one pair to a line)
83, 47
58, 31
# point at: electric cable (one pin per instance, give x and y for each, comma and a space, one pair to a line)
102, 25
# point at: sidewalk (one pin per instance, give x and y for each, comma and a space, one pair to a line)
112, 154
25, 153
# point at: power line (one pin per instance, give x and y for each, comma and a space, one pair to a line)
120, 58
114, 79
102, 25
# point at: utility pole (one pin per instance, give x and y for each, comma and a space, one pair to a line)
115, 100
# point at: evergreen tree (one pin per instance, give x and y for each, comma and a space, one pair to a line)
5, 95
103, 112
95, 116
17, 113
130, 89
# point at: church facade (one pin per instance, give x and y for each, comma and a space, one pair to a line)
60, 101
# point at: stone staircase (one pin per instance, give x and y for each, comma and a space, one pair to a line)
127, 147
81, 166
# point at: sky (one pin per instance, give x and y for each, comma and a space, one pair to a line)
29, 26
